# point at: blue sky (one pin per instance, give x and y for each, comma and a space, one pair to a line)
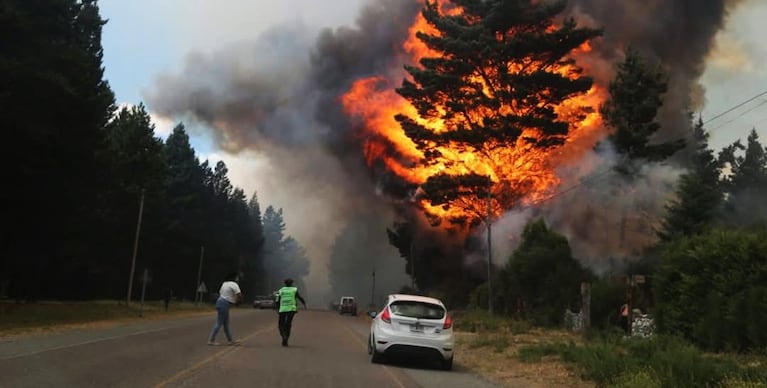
145, 38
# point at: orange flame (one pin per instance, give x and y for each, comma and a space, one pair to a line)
513, 170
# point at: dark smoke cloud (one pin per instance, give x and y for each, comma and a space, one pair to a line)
678, 34
279, 97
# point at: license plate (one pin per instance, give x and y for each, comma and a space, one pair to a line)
416, 329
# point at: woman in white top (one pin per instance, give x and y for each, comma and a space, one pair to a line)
228, 295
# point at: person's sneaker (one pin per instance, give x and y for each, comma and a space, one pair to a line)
234, 343
284, 342
212, 343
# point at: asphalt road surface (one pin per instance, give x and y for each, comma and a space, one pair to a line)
326, 350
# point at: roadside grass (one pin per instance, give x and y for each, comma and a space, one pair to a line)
657, 362
488, 345
515, 353
24, 317
478, 321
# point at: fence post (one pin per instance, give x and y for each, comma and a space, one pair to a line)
586, 305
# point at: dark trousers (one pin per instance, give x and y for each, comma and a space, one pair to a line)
285, 322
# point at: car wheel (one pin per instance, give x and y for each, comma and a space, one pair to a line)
447, 364
375, 357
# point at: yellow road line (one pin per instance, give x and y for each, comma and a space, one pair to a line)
364, 345
212, 357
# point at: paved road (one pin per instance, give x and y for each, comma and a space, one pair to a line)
326, 350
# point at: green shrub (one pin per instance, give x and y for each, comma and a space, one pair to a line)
535, 353
710, 289
499, 342
659, 362
643, 378
480, 321
606, 298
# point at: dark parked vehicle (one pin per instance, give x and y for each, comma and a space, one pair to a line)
264, 302
347, 306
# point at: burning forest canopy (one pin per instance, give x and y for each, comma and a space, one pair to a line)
505, 95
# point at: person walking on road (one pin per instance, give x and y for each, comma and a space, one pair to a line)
229, 294
287, 307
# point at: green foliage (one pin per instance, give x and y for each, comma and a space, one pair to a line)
606, 298
76, 172
711, 290
658, 362
480, 321
699, 193
544, 275
498, 342
283, 256
638, 379
497, 76
18, 317
55, 104
746, 184
533, 354
636, 94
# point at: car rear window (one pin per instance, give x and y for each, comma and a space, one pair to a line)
421, 310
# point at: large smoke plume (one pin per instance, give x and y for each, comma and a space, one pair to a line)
279, 97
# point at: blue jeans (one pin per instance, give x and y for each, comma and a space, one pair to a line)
222, 319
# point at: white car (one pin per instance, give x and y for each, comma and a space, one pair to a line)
411, 325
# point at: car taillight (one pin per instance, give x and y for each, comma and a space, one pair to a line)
448, 322
385, 316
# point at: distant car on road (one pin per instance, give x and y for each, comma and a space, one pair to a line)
415, 326
347, 306
264, 302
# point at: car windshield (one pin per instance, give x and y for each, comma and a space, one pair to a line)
414, 309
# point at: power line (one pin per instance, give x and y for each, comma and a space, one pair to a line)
739, 116
603, 174
735, 107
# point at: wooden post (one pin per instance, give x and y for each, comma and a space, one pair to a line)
586, 305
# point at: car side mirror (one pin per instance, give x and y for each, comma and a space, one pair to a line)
372, 314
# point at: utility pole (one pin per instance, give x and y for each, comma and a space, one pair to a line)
373, 292
135, 245
412, 260
144, 280
489, 248
199, 275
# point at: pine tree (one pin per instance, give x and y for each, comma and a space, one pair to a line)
636, 95
747, 183
138, 165
496, 86
699, 193
185, 211
274, 235
296, 260
55, 103
257, 239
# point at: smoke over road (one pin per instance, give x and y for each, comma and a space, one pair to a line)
279, 97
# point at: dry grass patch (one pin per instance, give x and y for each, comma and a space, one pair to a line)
493, 355
34, 318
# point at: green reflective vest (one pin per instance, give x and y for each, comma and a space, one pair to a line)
288, 299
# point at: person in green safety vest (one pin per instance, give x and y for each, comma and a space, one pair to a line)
286, 308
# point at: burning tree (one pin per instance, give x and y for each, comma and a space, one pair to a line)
496, 91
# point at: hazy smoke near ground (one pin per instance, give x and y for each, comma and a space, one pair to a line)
279, 97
